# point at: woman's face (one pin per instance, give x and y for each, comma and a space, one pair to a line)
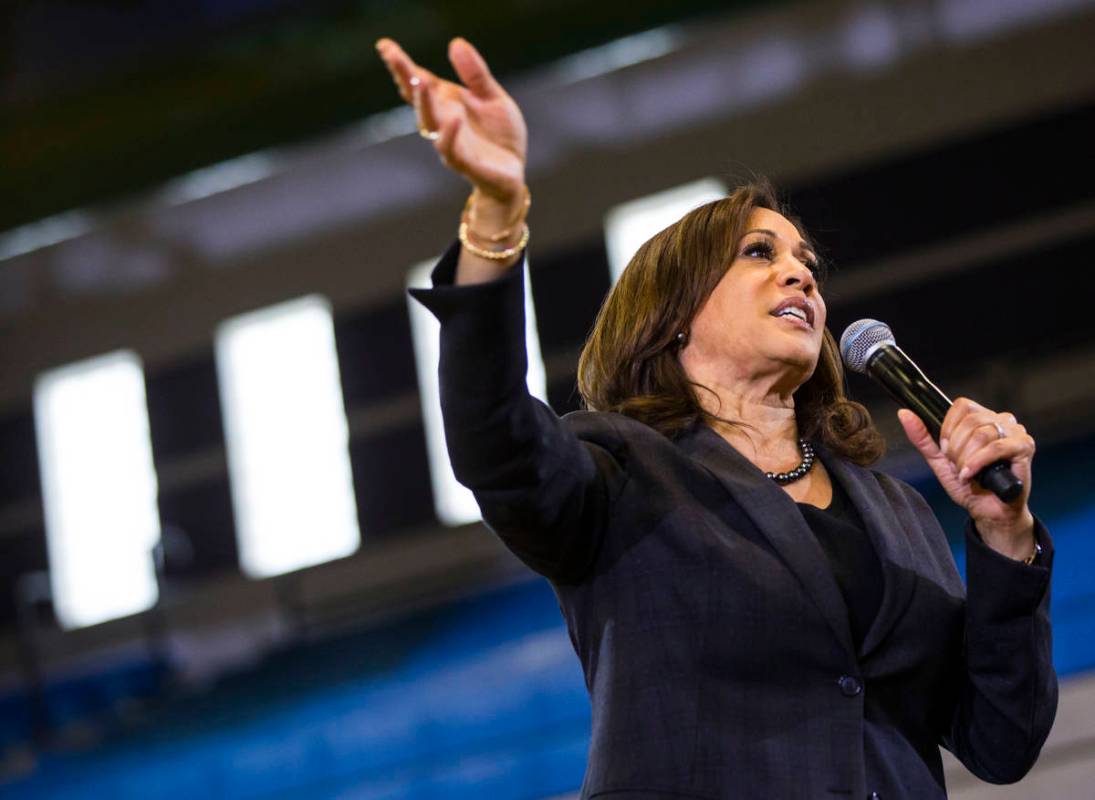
766, 314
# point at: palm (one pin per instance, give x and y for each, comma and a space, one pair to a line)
492, 134
483, 135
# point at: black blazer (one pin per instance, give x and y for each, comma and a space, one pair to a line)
714, 639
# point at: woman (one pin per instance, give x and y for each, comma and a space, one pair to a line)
752, 621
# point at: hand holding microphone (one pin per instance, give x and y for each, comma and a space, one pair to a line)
975, 444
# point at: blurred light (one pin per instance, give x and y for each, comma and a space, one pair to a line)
629, 225
453, 502
98, 488
871, 37
218, 178
102, 264
772, 66
391, 124
971, 20
43, 233
287, 438
617, 54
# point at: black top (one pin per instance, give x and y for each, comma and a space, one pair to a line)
843, 537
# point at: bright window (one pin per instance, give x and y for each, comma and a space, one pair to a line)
454, 503
628, 225
98, 488
287, 438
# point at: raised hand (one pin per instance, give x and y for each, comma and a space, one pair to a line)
475, 126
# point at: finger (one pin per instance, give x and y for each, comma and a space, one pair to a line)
978, 429
473, 70
1011, 449
446, 145
953, 421
400, 66
405, 72
920, 438
424, 104
972, 434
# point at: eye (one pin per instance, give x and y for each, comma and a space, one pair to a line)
762, 249
765, 249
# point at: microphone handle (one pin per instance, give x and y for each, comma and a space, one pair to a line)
905, 383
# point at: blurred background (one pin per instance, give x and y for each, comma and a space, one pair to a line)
233, 561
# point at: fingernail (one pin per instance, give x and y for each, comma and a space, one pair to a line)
964, 474
943, 444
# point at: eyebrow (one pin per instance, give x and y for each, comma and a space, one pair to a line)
803, 244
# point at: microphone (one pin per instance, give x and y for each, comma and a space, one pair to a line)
868, 347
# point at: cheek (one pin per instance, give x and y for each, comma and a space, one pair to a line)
719, 312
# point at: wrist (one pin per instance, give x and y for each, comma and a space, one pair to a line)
496, 209
495, 230
1014, 539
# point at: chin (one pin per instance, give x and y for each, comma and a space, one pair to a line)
804, 363
806, 354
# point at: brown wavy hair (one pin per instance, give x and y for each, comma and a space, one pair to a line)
630, 361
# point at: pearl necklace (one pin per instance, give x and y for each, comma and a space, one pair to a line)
807, 462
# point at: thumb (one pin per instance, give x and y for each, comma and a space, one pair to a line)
938, 463
918, 435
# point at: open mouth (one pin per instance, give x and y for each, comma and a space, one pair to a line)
797, 312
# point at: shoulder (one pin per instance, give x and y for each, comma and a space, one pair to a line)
621, 435
606, 427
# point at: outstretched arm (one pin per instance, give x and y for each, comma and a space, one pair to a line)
542, 490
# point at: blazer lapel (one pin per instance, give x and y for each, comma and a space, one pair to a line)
890, 540
775, 514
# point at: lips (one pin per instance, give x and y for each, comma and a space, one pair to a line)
791, 304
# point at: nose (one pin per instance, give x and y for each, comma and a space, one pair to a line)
796, 274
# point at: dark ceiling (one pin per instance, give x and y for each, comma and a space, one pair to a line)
104, 98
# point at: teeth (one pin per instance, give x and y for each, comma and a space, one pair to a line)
793, 312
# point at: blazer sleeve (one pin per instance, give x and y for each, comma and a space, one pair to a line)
1008, 697
541, 489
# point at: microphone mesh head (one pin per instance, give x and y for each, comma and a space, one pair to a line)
858, 340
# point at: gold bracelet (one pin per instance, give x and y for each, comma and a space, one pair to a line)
492, 255
1029, 560
469, 213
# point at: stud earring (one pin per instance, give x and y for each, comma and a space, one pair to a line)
682, 339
